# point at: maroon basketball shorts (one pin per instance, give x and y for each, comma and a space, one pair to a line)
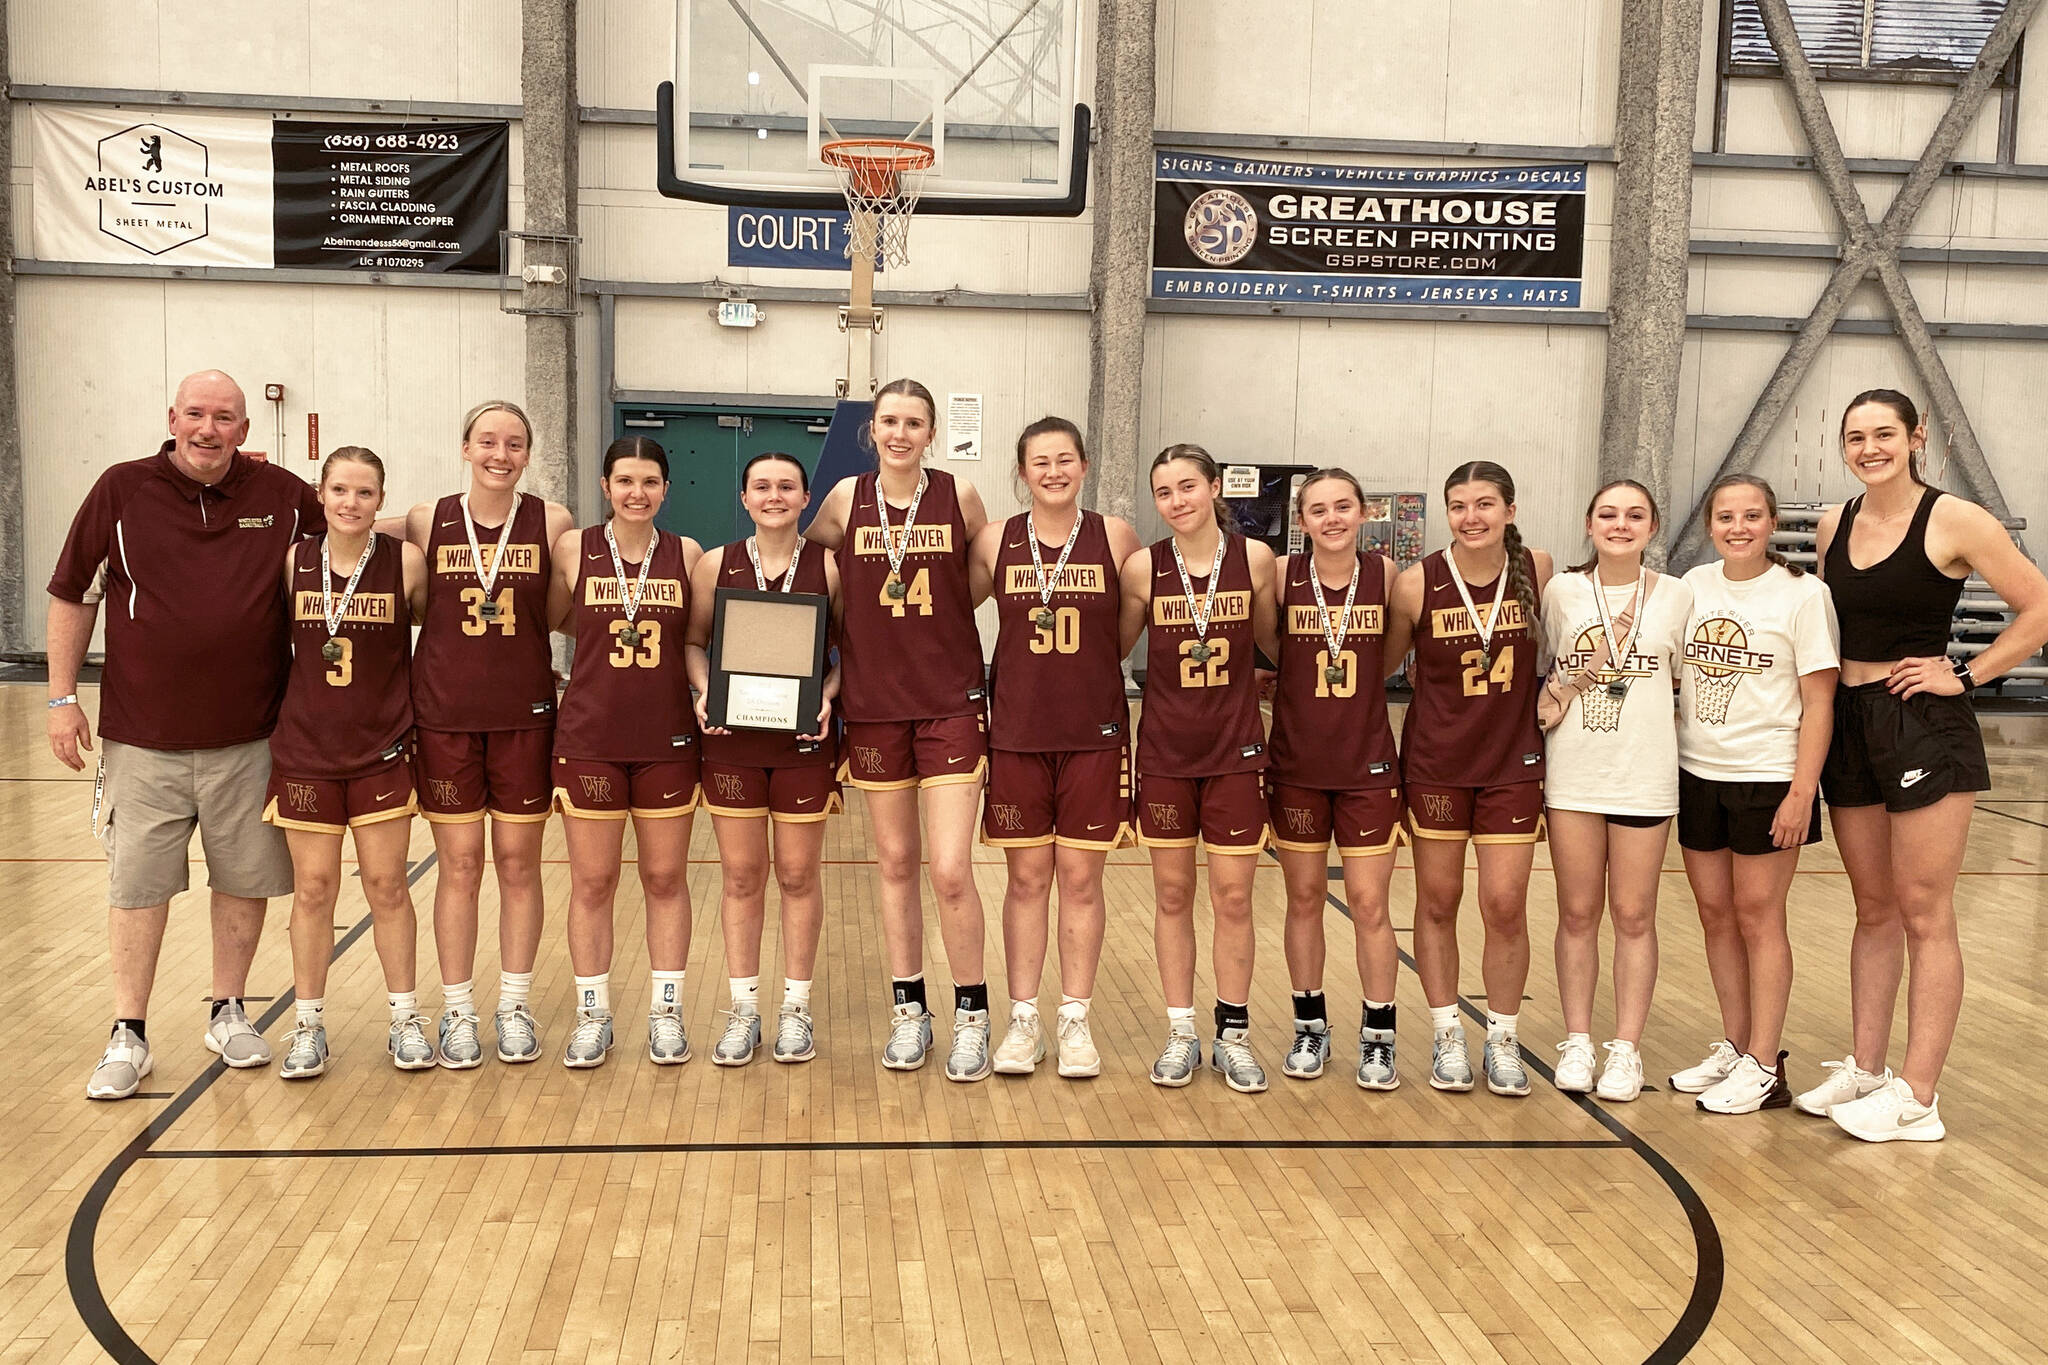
890, 755
1507, 814
1365, 823
328, 805
592, 789
1077, 799
794, 795
1226, 813
464, 773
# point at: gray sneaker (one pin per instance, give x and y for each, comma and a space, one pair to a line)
742, 1035
305, 1053
1376, 1059
1304, 1061
518, 1034
910, 1037
230, 1034
667, 1043
1503, 1060
461, 1049
969, 1059
591, 1041
793, 1035
122, 1067
1178, 1059
408, 1045
1231, 1054
1450, 1065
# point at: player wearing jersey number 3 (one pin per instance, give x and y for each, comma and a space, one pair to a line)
1472, 761
1202, 597
626, 744
914, 698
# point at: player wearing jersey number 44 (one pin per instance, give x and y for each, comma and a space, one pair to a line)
1906, 765
1059, 792
1472, 761
914, 698
1203, 598
627, 745
1334, 773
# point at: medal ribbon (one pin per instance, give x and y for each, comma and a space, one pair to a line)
1335, 634
1500, 590
892, 548
630, 603
1617, 649
788, 577
336, 612
1187, 586
1048, 586
476, 551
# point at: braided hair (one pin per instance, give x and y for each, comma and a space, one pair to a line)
1770, 504
1521, 581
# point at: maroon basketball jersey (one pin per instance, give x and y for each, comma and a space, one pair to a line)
763, 748
341, 716
1473, 720
1201, 716
917, 656
1058, 688
1330, 732
485, 664
628, 701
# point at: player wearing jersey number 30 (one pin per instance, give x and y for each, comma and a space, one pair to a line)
1202, 597
1472, 761
626, 744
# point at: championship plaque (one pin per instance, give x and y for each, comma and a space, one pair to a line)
767, 660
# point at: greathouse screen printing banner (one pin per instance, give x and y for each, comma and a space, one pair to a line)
126, 185
1235, 227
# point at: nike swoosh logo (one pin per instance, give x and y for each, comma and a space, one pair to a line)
1523, 820
306, 568
533, 800
951, 761
1910, 778
670, 796
383, 796
597, 556
1016, 544
805, 800
1234, 833
1094, 827
456, 522
1439, 587
1162, 573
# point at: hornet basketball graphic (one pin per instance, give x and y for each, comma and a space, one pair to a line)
1719, 652
1598, 708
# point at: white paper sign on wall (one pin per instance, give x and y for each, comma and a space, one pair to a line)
963, 426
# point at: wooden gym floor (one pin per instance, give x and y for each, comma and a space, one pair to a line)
835, 1211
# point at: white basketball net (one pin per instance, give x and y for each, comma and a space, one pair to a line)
882, 183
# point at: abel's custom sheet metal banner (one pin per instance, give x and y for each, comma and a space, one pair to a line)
380, 196
1228, 227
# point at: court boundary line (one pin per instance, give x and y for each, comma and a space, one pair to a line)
902, 1145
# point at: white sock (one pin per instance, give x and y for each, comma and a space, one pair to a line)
1074, 1006
667, 994
1020, 1009
1501, 1023
1585, 1039
746, 992
1623, 1045
459, 997
1180, 1020
1442, 1017
594, 992
796, 992
513, 989
404, 1004
310, 1011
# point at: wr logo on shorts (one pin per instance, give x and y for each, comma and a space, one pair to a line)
597, 789
869, 759
730, 788
1165, 818
1437, 808
1299, 821
302, 796
443, 791
1006, 816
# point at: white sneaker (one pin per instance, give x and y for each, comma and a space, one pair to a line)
1890, 1114
968, 1058
735, 1046
1845, 1081
1697, 1080
1023, 1047
1574, 1073
1078, 1056
408, 1045
1179, 1058
910, 1037
305, 1052
1232, 1055
230, 1034
1748, 1088
122, 1067
1621, 1080
1450, 1065
668, 1042
1502, 1062
794, 1040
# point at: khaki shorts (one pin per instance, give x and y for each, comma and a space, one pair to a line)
155, 797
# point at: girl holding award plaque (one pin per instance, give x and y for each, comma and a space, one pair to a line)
1203, 598
1059, 785
1614, 628
755, 779
915, 701
626, 744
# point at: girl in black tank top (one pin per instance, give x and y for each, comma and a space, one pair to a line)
1906, 762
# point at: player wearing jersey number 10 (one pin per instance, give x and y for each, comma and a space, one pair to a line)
626, 744
1203, 598
1472, 761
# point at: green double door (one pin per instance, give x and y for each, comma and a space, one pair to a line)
707, 447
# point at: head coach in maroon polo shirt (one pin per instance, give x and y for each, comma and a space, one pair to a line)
183, 548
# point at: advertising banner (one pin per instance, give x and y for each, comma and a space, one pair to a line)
376, 196
1236, 227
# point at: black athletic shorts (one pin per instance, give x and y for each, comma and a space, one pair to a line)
1733, 815
1902, 754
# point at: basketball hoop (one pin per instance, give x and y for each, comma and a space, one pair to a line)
881, 178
